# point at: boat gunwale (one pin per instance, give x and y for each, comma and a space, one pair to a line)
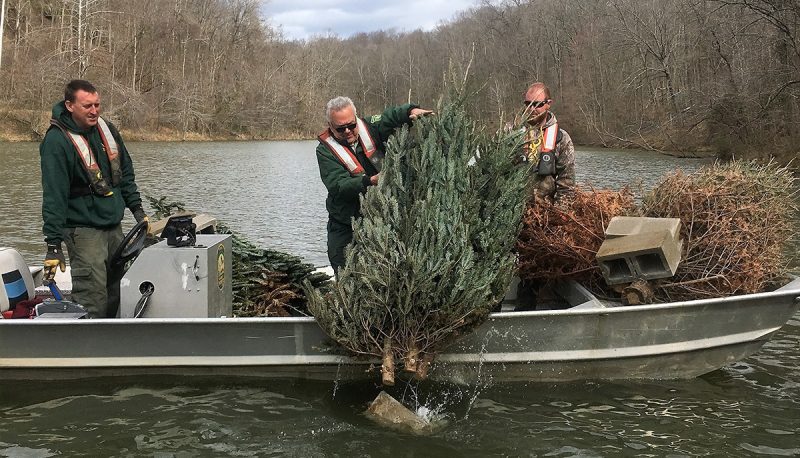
789, 289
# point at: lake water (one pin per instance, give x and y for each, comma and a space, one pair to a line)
271, 193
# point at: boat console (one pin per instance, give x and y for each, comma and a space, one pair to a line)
182, 280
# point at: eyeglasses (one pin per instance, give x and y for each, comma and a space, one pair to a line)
341, 129
535, 103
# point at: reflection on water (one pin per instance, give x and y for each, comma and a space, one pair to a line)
745, 409
270, 191
717, 415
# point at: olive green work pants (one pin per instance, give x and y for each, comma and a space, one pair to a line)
93, 284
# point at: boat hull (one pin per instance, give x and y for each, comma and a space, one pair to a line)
666, 341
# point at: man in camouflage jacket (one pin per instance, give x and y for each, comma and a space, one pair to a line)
547, 146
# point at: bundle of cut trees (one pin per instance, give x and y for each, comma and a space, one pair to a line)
433, 251
737, 220
560, 240
269, 282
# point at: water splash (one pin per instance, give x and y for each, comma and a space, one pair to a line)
336, 379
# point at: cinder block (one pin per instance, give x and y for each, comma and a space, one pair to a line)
646, 256
389, 412
513, 289
620, 226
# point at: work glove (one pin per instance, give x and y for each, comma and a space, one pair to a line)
140, 215
53, 259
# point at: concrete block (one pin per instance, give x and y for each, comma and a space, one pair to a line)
513, 289
645, 256
620, 226
389, 412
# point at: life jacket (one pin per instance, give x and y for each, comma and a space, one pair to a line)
347, 156
546, 164
97, 183
550, 138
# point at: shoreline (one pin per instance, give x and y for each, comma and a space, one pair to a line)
18, 129
168, 135
197, 138
163, 136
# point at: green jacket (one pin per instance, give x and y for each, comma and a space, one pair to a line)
344, 189
62, 169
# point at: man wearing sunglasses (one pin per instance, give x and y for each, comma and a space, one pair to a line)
350, 154
547, 146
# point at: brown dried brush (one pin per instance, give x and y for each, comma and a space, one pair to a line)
737, 219
561, 240
275, 297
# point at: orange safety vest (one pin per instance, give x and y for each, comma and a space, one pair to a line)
347, 156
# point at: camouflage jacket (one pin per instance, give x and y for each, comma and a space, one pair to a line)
551, 186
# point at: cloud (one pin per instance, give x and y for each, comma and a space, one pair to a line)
302, 20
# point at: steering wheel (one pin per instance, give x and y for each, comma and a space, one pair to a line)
130, 247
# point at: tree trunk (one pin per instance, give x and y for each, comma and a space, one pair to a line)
411, 361
387, 368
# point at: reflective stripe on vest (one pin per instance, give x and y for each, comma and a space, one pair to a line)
108, 140
550, 137
346, 155
367, 143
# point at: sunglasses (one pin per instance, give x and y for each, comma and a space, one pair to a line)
535, 103
341, 129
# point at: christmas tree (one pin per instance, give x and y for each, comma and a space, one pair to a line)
433, 250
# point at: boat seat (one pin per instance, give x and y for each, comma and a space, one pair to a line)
18, 284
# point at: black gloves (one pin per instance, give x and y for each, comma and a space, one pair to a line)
139, 214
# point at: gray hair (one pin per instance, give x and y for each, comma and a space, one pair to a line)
338, 104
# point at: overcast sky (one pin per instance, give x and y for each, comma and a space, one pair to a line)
302, 19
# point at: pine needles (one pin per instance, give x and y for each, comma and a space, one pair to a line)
268, 282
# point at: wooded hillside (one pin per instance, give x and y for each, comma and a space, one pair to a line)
677, 75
